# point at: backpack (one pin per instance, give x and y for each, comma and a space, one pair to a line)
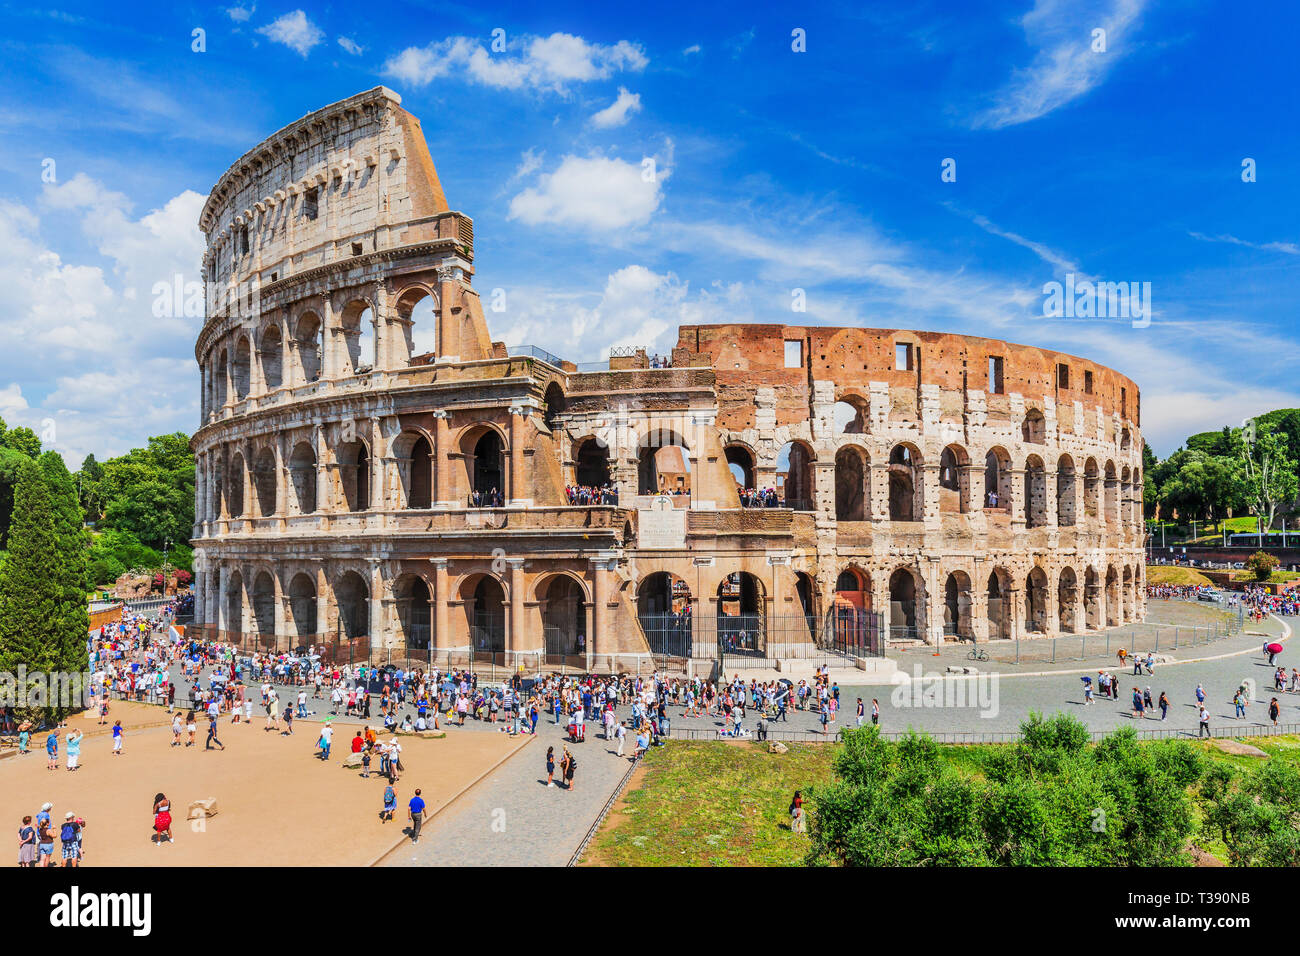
68, 832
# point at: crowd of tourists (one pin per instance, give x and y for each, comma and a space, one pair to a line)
486, 499
1185, 592
760, 498
1259, 603
606, 494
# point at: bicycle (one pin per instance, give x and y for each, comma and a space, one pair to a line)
977, 654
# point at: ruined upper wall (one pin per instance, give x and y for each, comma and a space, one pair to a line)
746, 357
351, 179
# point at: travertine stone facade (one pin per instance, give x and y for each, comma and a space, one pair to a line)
377, 476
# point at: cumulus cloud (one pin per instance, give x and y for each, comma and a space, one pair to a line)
351, 46
241, 14
617, 113
550, 63
295, 31
1065, 66
594, 192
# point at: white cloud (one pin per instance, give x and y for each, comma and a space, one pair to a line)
1064, 66
693, 48
530, 161
1290, 248
295, 31
617, 113
351, 46
595, 192
550, 63
241, 14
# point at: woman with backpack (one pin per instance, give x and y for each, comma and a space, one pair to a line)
69, 836
390, 804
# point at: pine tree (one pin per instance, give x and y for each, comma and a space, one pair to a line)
32, 595
73, 543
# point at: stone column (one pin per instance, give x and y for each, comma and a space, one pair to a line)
443, 495
377, 635
281, 478
324, 487
322, 606
279, 614
330, 336
518, 629
599, 642
1012, 611
441, 639
517, 481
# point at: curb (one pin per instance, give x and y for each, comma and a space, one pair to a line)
466, 789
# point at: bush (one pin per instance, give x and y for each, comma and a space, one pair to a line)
1261, 564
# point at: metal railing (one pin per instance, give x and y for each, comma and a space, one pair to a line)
604, 812
532, 351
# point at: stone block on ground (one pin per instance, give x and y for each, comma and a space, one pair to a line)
776, 747
352, 760
203, 808
1237, 748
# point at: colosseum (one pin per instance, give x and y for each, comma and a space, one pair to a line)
378, 478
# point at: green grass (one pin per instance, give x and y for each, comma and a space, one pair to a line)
1174, 575
725, 804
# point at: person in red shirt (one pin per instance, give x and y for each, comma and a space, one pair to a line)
357, 743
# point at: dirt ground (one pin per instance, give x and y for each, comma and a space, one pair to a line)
277, 804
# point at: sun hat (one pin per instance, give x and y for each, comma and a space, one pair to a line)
47, 806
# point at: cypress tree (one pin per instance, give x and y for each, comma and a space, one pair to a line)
73, 544
32, 595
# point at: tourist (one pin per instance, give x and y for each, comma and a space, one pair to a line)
326, 735
212, 732
620, 732
27, 843
1273, 711
1204, 716
1164, 706
1238, 705
796, 813
69, 835
415, 810
162, 820
74, 748
52, 750
176, 729
190, 728
1138, 712
44, 837
117, 738
875, 712
390, 804
862, 712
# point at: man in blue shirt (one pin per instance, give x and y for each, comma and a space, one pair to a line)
416, 812
52, 749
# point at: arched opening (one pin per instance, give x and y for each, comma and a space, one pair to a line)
307, 347
1091, 489
794, 476
954, 480
997, 481
1112, 494
807, 591
352, 599
851, 622
663, 464
264, 609
486, 469
665, 608
302, 608
241, 371
414, 616
418, 312
235, 488
850, 416
359, 336
741, 464
563, 618
591, 464
1126, 599
218, 488
302, 478
264, 482
742, 618
904, 623
1036, 601
1092, 599
1035, 493
850, 485
418, 472
1066, 484
555, 406
354, 474
1067, 597
485, 603
905, 500
957, 607
234, 623
999, 611
271, 355
1113, 618
220, 379
1034, 428
1125, 497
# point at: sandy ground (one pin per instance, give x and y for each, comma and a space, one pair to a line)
277, 805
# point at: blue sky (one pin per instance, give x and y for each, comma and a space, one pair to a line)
775, 170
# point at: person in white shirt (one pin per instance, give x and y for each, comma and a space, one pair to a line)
621, 733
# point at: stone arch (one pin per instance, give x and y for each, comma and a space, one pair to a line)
1127, 598
414, 453
906, 605
1112, 494
562, 600
850, 618
591, 462
417, 310
220, 379
1067, 601
242, 368
357, 322
906, 486
263, 600
1066, 491
302, 606
1036, 601
235, 605
1092, 616
354, 474
235, 486
484, 599
954, 480
666, 612
740, 461
271, 356
663, 462
307, 347
851, 415
1125, 497
1091, 489
742, 613
1035, 492
412, 594
957, 607
556, 404
1113, 613
997, 479
998, 593
484, 449
352, 602
265, 481
852, 466
1033, 428
794, 475
302, 477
